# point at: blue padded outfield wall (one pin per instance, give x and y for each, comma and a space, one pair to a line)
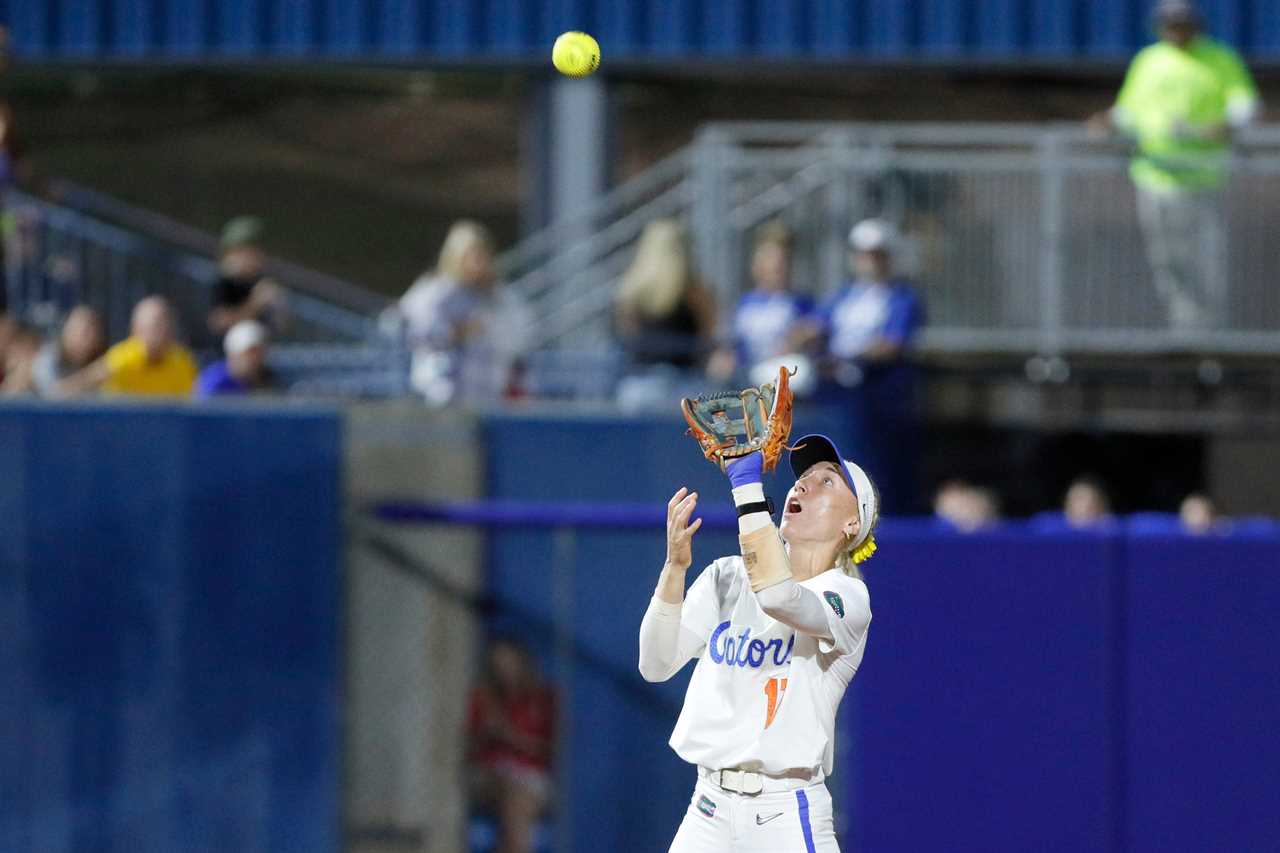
521, 31
170, 653
169, 596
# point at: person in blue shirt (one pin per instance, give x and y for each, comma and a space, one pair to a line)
766, 317
244, 370
866, 328
870, 321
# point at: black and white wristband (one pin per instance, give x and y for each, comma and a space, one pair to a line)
765, 505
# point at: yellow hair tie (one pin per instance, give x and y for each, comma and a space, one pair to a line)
864, 551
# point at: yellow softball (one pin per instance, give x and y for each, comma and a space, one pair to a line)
575, 54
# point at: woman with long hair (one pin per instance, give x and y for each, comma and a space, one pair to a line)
663, 312
466, 329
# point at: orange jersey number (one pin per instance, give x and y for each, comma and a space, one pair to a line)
773, 690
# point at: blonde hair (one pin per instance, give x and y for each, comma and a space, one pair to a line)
660, 273
463, 236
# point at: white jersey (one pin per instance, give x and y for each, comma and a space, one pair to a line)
763, 696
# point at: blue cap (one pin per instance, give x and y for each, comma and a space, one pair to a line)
815, 448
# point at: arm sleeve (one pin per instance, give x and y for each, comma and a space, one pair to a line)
205, 384
424, 316
673, 634
792, 604
838, 614
1241, 92
903, 320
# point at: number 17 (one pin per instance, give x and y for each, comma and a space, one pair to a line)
773, 690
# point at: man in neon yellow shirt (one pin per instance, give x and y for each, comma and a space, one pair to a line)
150, 362
1181, 100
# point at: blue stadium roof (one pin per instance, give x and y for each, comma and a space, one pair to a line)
521, 31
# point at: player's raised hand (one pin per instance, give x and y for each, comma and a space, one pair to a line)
679, 530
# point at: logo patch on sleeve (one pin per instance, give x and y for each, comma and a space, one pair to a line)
706, 806
836, 604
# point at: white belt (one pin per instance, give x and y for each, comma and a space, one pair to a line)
751, 783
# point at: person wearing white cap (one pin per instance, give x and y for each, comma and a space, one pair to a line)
778, 633
867, 326
869, 321
244, 370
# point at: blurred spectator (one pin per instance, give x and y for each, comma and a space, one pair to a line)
871, 320
467, 329
243, 292
19, 358
663, 313
243, 370
81, 341
511, 737
1086, 503
765, 320
150, 362
1197, 514
966, 507
1182, 99
868, 325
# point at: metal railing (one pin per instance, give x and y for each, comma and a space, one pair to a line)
57, 256
60, 255
566, 271
1022, 238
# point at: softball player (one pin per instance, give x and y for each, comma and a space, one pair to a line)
779, 633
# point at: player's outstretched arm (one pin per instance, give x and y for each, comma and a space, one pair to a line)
763, 554
793, 605
768, 566
665, 643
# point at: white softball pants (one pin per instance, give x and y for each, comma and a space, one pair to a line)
795, 821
